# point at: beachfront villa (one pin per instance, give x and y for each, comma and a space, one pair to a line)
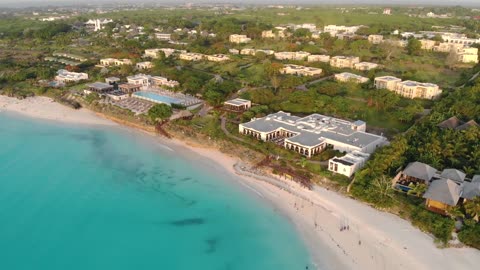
408, 89
159, 81
344, 61
318, 58
365, 66
237, 105
65, 76
129, 88
348, 164
375, 39
112, 80
444, 189
300, 70
144, 65
99, 87
299, 56
350, 77
239, 39
310, 135
115, 62
117, 95
140, 79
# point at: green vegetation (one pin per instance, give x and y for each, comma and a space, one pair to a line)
26, 43
440, 148
159, 111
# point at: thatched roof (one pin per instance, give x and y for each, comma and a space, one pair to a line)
420, 170
467, 125
451, 122
445, 191
471, 190
453, 174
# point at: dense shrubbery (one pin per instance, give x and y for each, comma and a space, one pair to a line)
441, 148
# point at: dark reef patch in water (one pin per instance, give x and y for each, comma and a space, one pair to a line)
212, 244
188, 222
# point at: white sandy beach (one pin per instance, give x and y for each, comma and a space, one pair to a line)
46, 108
374, 239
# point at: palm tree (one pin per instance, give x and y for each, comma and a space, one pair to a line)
303, 162
472, 207
417, 189
455, 212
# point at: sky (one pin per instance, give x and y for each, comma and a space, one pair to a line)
23, 3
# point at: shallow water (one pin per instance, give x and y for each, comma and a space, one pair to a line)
78, 197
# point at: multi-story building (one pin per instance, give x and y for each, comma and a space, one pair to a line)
191, 56
364, 66
408, 89
427, 44
375, 39
341, 29
140, 79
460, 40
237, 105
396, 42
300, 70
278, 32
467, 55
344, 61
144, 65
448, 47
249, 51
412, 89
162, 81
350, 77
239, 39
299, 56
310, 135
348, 164
66, 76
386, 82
153, 53
115, 62
318, 58
218, 58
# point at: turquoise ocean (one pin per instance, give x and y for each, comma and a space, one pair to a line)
85, 197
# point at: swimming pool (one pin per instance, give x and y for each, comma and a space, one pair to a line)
157, 98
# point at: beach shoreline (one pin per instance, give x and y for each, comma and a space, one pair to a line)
339, 232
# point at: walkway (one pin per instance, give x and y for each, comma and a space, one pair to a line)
303, 87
